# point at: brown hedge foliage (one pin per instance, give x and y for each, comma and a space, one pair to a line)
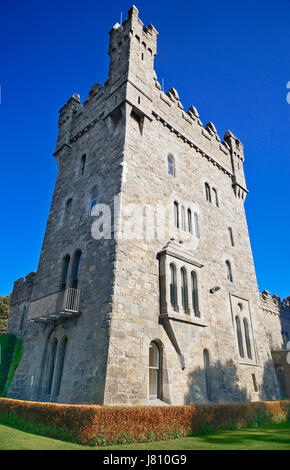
103, 425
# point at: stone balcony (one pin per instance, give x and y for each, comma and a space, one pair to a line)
53, 307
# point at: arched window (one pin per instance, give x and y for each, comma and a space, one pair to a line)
68, 208
207, 192
194, 293
247, 337
154, 371
206, 362
239, 336
171, 165
229, 271
94, 200
183, 288
23, 317
51, 365
172, 285
176, 214
231, 236
83, 164
65, 267
76, 268
196, 225
214, 191
183, 226
189, 220
59, 366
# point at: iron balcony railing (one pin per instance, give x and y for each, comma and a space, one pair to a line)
61, 305
69, 300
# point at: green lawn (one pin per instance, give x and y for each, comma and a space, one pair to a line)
272, 438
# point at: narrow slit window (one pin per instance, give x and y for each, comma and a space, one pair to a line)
68, 209
171, 165
76, 269
229, 271
59, 367
189, 221
194, 294
247, 337
214, 191
196, 225
239, 337
207, 192
207, 374
183, 288
183, 225
51, 365
172, 285
83, 164
94, 200
176, 214
254, 382
65, 267
231, 236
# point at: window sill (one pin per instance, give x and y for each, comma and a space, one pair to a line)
183, 318
248, 362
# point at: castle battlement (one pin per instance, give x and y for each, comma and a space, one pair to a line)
273, 303
276, 319
133, 81
22, 288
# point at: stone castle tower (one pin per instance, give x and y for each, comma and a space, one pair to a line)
145, 290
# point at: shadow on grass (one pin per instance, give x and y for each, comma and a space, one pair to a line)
279, 434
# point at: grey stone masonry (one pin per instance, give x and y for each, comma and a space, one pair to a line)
145, 290
276, 320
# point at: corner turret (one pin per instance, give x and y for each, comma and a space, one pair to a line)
66, 115
237, 156
132, 50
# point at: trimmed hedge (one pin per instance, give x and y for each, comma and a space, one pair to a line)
7, 344
104, 425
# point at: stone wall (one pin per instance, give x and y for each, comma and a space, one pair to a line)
200, 157
20, 298
276, 319
126, 130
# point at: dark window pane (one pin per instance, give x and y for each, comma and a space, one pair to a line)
239, 336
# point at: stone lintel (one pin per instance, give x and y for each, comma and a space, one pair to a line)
174, 250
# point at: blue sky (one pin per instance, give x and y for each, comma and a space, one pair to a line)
229, 59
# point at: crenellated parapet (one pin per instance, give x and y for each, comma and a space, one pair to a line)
237, 156
22, 288
189, 128
226, 154
132, 49
276, 319
133, 80
66, 115
274, 302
